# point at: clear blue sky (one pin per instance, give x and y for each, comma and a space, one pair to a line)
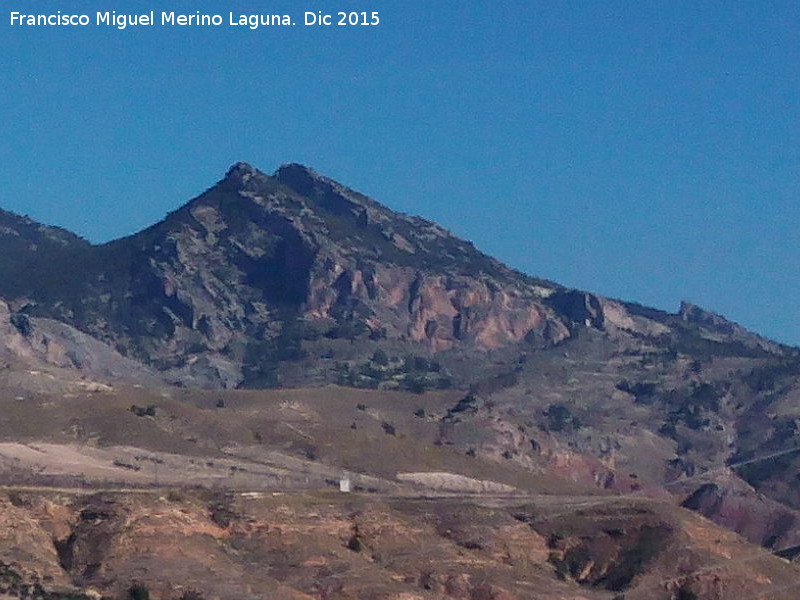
642, 150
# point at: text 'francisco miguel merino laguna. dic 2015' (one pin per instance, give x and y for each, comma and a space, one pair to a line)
196, 19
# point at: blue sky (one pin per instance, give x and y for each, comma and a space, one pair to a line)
646, 151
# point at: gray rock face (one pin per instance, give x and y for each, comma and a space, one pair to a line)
46, 343
718, 327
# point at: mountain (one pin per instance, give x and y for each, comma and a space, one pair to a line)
258, 269
203, 294
144, 362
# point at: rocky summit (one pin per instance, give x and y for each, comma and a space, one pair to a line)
180, 407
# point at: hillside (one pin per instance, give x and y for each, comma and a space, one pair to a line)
231, 495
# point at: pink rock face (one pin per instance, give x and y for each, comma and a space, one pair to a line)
509, 320
583, 468
434, 310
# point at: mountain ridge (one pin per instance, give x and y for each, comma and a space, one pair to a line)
202, 294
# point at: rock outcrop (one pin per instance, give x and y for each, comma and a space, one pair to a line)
46, 343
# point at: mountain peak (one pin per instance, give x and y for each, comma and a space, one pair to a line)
305, 180
293, 167
241, 171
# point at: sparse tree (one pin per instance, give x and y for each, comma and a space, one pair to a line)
137, 591
380, 358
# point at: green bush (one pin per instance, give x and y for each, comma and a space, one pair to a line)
137, 591
560, 418
380, 358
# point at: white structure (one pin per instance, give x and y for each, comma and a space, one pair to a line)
345, 486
